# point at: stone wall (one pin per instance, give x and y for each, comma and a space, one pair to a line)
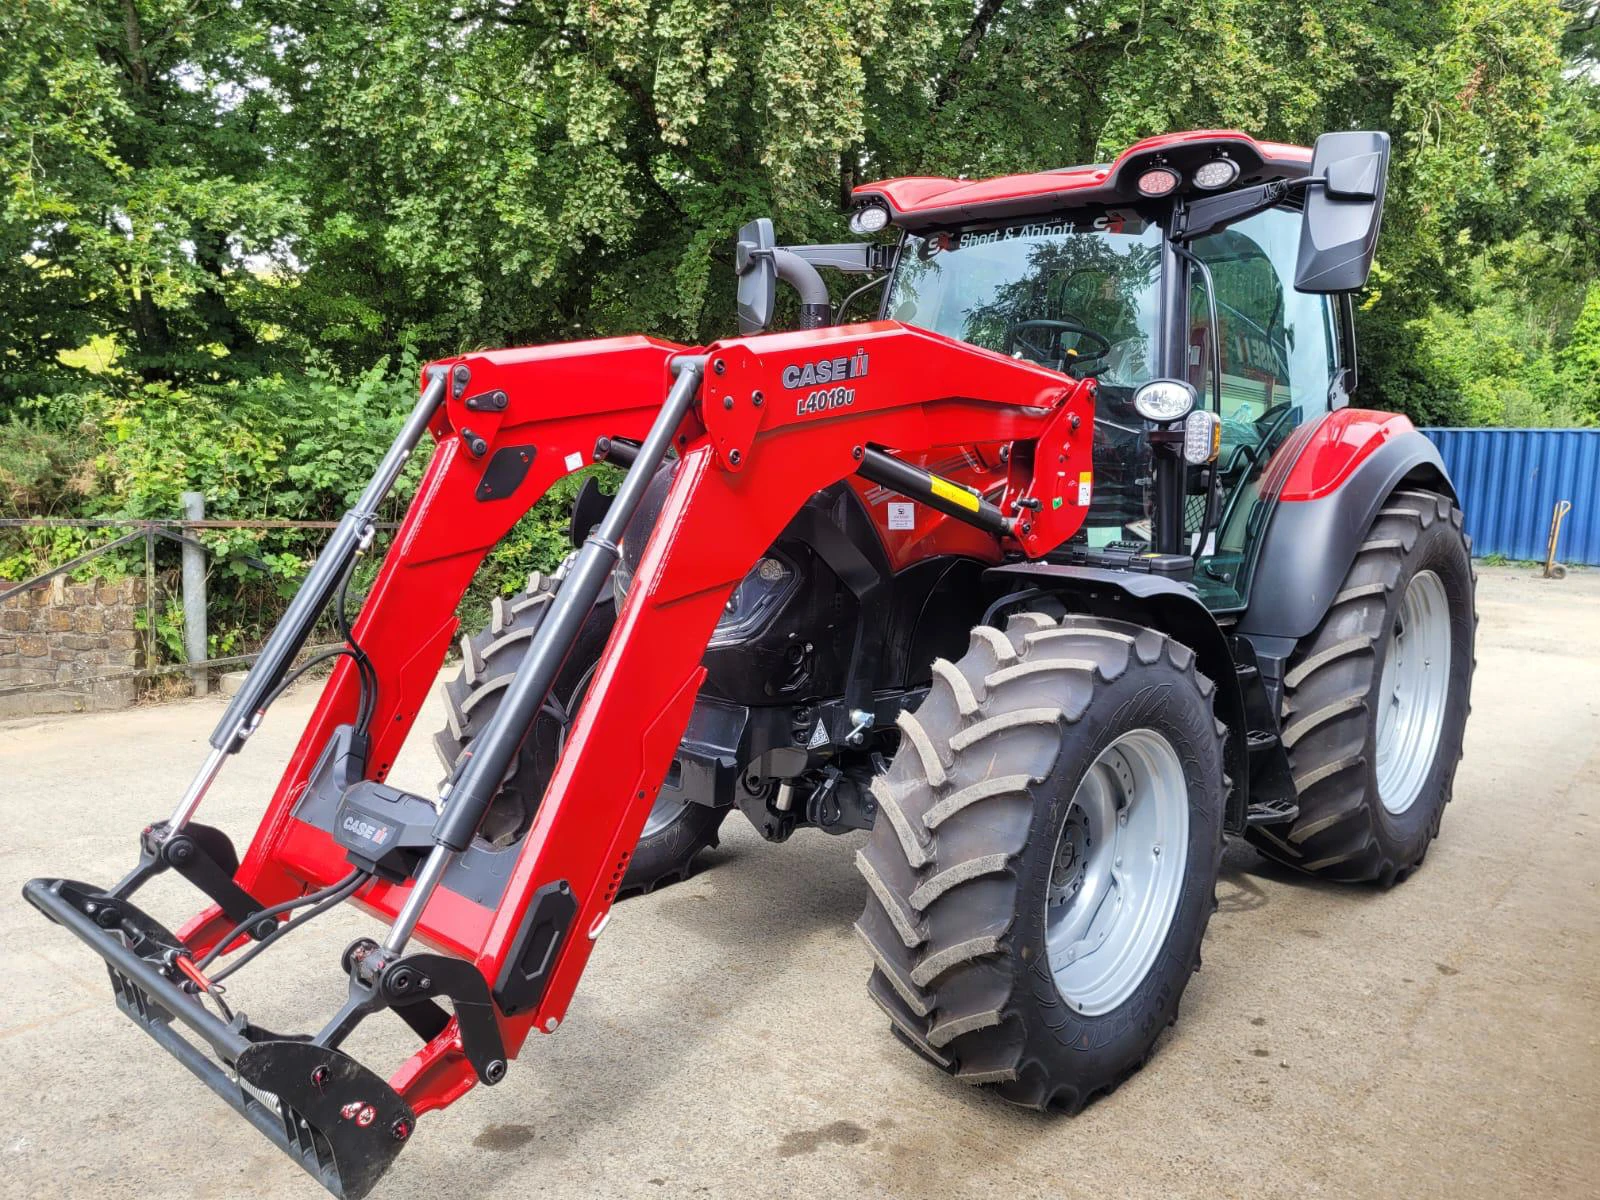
67, 634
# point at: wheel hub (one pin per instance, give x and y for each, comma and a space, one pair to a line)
1066, 876
1117, 873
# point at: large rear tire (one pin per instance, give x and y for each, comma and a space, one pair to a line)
1045, 858
674, 833
1376, 699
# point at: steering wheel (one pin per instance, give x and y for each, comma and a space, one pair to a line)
1016, 341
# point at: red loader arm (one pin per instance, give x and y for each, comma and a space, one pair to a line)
758, 450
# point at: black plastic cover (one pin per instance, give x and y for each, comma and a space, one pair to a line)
1339, 231
384, 830
544, 928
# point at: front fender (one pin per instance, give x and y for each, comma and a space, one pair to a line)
1344, 473
1161, 603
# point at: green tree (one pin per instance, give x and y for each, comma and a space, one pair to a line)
139, 201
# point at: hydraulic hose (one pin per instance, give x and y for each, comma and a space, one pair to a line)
324, 579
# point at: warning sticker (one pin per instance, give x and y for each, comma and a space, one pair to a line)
573, 461
819, 737
1085, 486
954, 493
902, 514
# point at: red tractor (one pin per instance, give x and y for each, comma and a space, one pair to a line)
1070, 563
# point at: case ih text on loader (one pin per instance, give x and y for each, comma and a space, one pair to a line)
1073, 562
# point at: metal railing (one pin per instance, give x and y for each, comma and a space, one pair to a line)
150, 532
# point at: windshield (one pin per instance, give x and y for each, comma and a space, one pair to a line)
1076, 296
1079, 295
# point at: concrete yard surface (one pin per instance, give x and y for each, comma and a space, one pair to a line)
1439, 1039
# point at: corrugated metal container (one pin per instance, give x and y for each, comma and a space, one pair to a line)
1509, 481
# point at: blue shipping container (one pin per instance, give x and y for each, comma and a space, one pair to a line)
1509, 481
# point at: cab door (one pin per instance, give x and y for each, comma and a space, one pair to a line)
1280, 361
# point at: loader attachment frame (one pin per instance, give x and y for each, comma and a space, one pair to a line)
510, 930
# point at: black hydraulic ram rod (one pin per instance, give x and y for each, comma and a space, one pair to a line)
952, 499
467, 796
352, 534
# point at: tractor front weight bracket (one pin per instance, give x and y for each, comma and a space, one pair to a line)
509, 930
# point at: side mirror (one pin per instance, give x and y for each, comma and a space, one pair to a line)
758, 275
1339, 228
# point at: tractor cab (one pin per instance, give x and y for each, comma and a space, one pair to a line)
1207, 272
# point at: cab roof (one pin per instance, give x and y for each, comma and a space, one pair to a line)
923, 201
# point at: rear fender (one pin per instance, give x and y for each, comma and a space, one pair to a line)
1164, 604
1344, 474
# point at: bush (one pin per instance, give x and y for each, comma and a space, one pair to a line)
271, 448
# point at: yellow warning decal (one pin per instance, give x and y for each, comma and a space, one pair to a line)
954, 493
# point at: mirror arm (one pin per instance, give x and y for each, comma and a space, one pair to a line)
815, 306
853, 258
1212, 213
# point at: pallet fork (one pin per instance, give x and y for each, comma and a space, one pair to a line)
509, 930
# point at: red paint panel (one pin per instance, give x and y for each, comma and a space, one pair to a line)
1335, 447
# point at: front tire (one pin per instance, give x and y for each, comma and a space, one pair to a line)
1376, 701
1053, 765
675, 831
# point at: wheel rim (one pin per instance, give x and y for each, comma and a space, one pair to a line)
1413, 691
662, 813
1117, 873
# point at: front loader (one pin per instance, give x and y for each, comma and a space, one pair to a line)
1071, 562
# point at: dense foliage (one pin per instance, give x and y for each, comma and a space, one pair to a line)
229, 231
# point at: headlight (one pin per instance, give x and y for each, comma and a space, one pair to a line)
1219, 172
1164, 400
756, 597
869, 218
1157, 181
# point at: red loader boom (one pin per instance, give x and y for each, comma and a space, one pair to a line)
508, 424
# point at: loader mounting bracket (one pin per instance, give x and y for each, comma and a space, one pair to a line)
205, 857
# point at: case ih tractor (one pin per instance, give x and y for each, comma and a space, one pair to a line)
1073, 562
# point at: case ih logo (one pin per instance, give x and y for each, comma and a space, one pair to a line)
826, 370
366, 830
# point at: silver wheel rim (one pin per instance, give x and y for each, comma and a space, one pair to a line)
1413, 691
662, 813
1117, 873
